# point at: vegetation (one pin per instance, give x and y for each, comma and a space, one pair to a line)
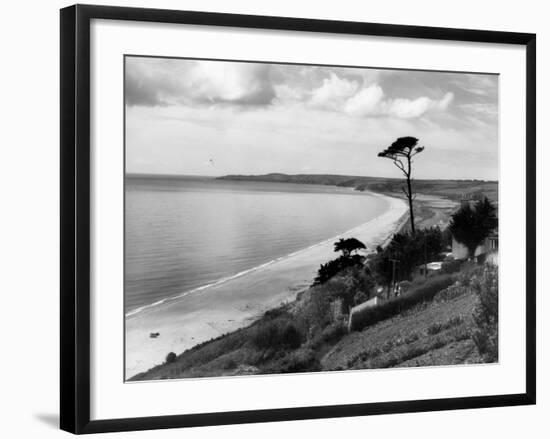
471, 225
277, 332
433, 323
486, 313
346, 260
349, 285
348, 246
332, 268
424, 292
406, 251
401, 153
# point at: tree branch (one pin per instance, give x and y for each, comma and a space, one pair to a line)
397, 162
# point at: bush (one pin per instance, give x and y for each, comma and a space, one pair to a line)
332, 268
423, 293
411, 250
435, 328
347, 284
451, 266
330, 335
405, 286
290, 336
486, 313
303, 360
463, 285
171, 357
279, 332
229, 363
316, 312
333, 332
411, 338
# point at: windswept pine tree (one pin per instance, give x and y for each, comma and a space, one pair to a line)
401, 153
348, 246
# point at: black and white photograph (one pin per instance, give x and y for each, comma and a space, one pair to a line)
275, 219
288, 218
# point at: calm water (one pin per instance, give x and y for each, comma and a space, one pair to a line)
185, 233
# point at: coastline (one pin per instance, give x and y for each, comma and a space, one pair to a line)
226, 306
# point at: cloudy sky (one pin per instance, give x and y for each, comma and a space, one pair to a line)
214, 118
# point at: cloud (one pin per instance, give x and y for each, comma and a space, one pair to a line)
407, 108
366, 102
159, 82
231, 83
182, 114
345, 95
333, 93
149, 81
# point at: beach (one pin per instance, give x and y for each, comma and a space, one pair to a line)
222, 307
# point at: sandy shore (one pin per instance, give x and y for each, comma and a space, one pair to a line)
225, 307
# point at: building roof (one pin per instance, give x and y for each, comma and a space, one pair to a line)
432, 265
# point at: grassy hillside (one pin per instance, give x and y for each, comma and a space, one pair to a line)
431, 324
431, 334
452, 189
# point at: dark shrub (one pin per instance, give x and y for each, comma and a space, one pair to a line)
347, 284
333, 332
410, 250
303, 360
279, 332
276, 312
405, 286
317, 311
328, 336
423, 293
332, 268
451, 266
229, 363
290, 336
435, 328
171, 357
411, 338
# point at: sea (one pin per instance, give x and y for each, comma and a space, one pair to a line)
184, 234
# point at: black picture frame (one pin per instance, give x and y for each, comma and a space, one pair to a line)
75, 217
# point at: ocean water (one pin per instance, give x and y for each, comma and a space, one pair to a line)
185, 233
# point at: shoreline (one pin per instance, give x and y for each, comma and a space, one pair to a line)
403, 221
226, 305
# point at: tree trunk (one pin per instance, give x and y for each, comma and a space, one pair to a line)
410, 198
410, 194
472, 252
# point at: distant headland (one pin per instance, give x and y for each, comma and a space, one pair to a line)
451, 189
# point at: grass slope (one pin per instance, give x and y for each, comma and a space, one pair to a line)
433, 333
297, 338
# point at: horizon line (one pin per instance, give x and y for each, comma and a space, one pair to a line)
170, 175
